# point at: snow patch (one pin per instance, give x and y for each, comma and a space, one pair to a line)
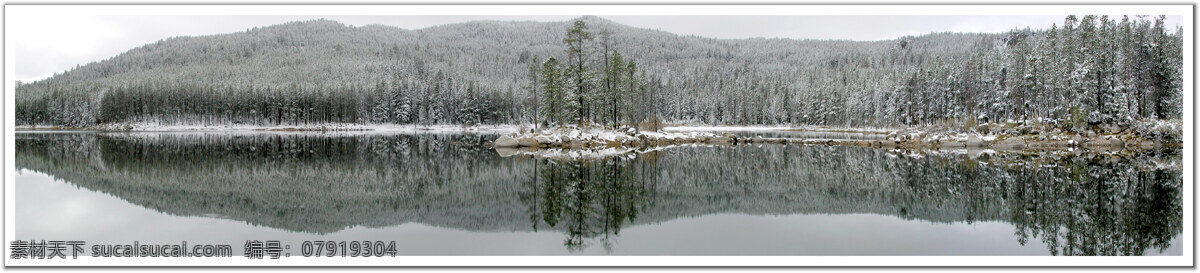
724, 128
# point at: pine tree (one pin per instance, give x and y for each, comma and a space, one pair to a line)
532, 87
581, 76
613, 102
554, 101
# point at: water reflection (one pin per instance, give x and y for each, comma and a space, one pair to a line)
1097, 205
313, 183
589, 197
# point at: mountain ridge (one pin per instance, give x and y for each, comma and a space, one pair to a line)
324, 26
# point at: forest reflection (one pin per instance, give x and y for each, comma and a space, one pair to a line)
1081, 205
1077, 203
589, 197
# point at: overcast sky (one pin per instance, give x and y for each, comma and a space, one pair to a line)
46, 44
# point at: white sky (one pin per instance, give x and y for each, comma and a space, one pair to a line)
46, 42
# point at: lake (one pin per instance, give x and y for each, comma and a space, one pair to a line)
444, 194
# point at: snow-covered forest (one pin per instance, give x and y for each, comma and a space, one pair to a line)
1086, 71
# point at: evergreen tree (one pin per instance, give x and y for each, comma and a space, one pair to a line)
580, 75
555, 103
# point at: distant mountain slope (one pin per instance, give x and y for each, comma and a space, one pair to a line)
475, 72
305, 52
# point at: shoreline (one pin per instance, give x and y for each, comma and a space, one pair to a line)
1003, 142
999, 137
1023, 138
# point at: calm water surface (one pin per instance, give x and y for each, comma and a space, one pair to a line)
446, 195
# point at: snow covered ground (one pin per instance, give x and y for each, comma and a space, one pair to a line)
593, 137
773, 128
724, 128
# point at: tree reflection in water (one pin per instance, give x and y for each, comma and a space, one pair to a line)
589, 197
1097, 206
1077, 203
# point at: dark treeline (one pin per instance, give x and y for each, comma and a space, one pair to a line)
421, 98
1089, 204
1088, 71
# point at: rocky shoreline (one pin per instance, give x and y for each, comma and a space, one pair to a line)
594, 137
570, 138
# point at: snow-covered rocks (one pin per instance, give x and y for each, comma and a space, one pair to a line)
597, 138
527, 142
505, 142
1010, 144
973, 140
570, 154
1107, 141
594, 138
720, 140
915, 138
